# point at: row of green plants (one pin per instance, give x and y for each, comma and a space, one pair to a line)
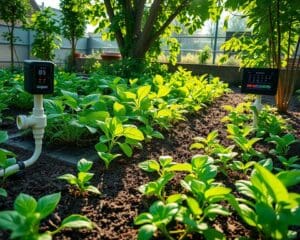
120, 113
263, 201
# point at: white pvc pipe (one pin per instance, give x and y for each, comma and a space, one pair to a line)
37, 121
257, 104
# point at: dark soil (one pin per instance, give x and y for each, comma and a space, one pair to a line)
120, 202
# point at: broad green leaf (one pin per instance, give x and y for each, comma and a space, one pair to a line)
215, 209
289, 178
93, 189
47, 204
265, 214
10, 220
163, 91
107, 157
126, 149
3, 136
165, 160
119, 109
150, 166
196, 146
116, 127
89, 117
101, 147
77, 221
142, 92
70, 178
213, 234
133, 133
143, 218
84, 177
164, 113
146, 232
176, 198
130, 95
178, 167
25, 204
275, 186
84, 165
215, 191
3, 192
194, 206
158, 80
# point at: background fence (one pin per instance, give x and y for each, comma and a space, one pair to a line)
92, 44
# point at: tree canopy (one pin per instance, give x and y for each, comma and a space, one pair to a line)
47, 31
74, 21
138, 25
13, 12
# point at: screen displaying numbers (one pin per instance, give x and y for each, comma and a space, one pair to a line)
42, 75
260, 81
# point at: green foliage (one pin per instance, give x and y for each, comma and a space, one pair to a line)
148, 23
204, 54
270, 208
3, 192
159, 216
47, 34
82, 180
24, 220
73, 22
210, 144
12, 13
114, 130
239, 136
282, 144
197, 202
7, 158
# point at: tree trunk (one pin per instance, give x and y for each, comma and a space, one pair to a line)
11, 45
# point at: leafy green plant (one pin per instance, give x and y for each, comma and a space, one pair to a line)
7, 158
158, 217
270, 123
210, 144
269, 206
114, 131
238, 115
82, 180
282, 144
239, 136
191, 208
204, 54
3, 192
24, 220
289, 162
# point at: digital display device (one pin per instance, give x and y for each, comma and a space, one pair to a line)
38, 76
262, 81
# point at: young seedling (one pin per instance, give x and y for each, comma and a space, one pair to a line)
24, 221
81, 182
114, 131
210, 144
158, 217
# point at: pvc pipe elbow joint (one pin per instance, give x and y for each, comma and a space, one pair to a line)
24, 122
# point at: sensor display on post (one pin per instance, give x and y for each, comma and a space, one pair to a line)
38, 76
262, 81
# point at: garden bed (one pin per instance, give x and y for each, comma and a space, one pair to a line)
114, 211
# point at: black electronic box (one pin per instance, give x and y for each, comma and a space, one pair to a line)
261, 81
38, 76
